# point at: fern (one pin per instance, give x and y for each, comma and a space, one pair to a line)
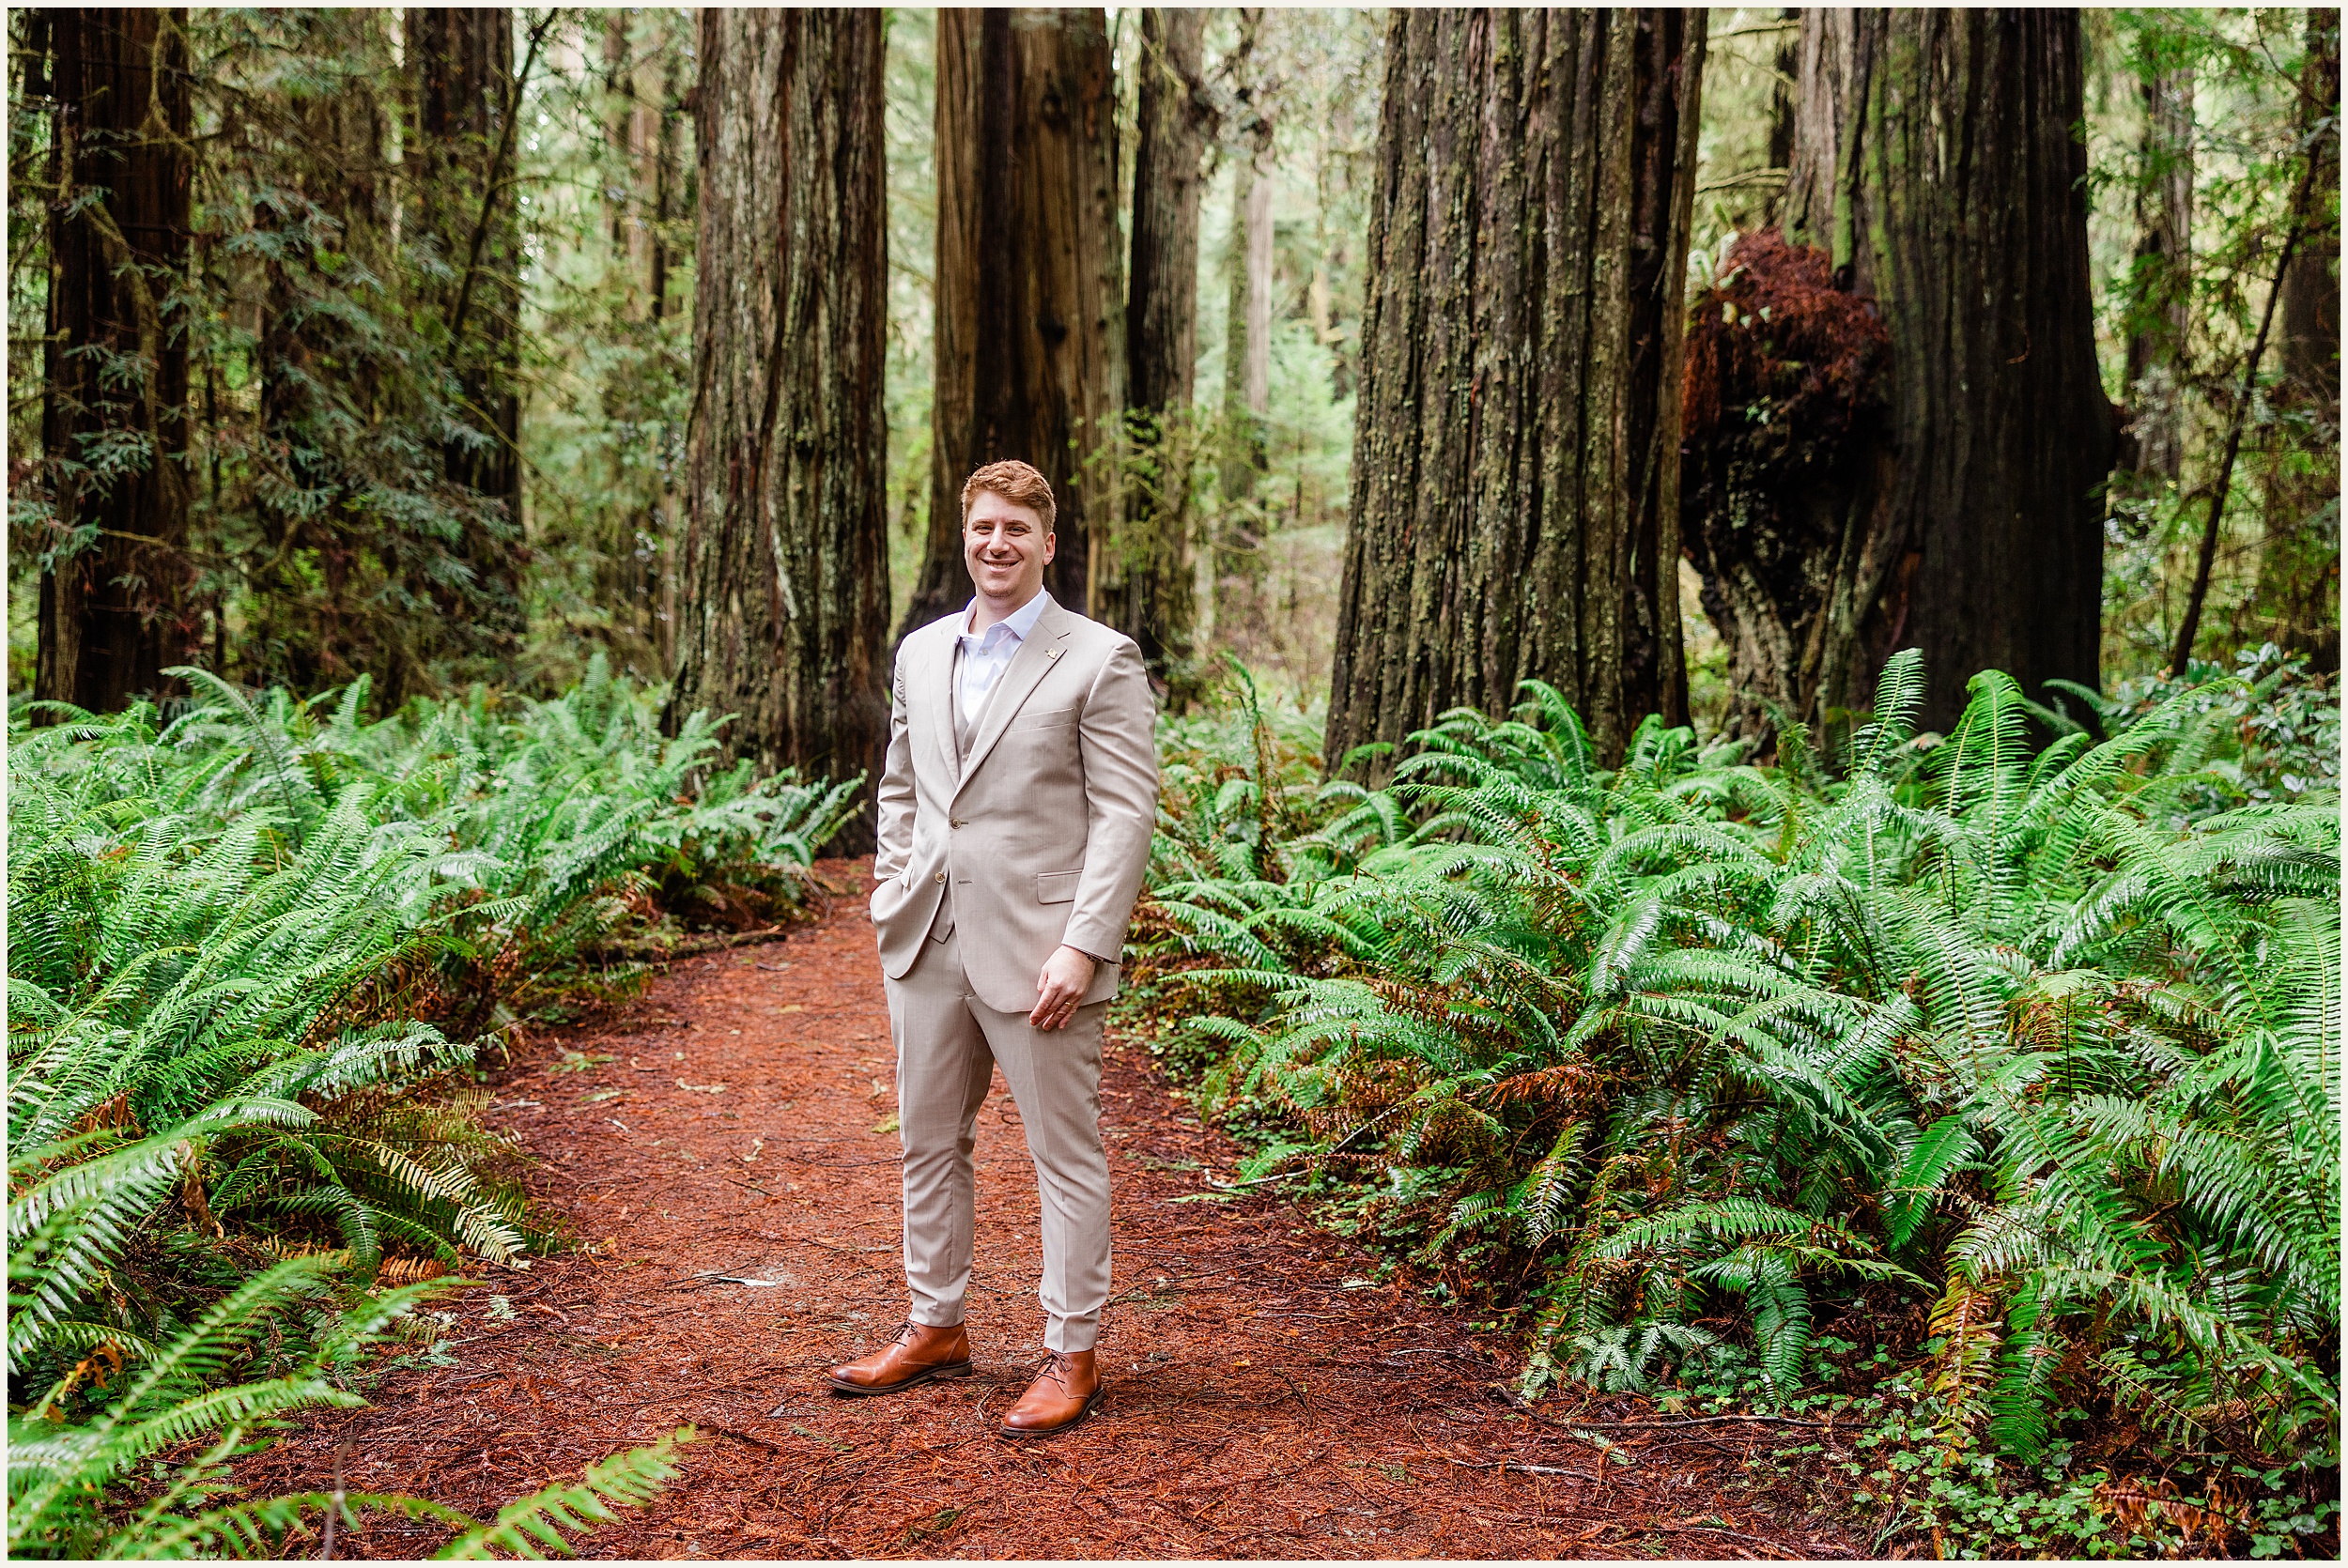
249, 951
1978, 1018
60, 1473
533, 1525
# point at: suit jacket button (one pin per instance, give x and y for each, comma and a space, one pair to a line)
941, 876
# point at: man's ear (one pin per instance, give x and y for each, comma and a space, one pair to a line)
1050, 546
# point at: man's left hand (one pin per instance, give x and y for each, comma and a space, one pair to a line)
1066, 974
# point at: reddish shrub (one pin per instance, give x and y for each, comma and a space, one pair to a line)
1774, 344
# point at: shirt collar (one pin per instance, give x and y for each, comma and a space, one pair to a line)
1020, 622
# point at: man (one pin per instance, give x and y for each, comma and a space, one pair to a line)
1015, 813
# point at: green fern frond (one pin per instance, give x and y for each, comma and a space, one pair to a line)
546, 1521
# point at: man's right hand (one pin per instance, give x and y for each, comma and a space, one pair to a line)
1060, 987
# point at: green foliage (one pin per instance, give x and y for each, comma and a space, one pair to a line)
2046, 1037
2258, 112
2285, 723
608, 177
252, 948
541, 1520
64, 1474
2061, 1502
353, 436
909, 123
68, 1480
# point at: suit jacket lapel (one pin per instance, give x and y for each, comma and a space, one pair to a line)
941, 685
1034, 660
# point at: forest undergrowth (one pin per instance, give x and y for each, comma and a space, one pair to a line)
1969, 1094
256, 949
1975, 1093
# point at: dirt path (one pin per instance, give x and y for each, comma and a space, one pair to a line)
1264, 1401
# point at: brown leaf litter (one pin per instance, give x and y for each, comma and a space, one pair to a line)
732, 1170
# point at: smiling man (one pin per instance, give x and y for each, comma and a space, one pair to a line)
1015, 814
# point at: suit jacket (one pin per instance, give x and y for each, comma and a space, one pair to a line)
1045, 832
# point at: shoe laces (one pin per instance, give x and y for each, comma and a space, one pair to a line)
1054, 1367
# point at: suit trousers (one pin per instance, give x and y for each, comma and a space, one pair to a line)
948, 1044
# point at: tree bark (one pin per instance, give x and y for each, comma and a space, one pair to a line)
1246, 388
1786, 64
462, 87
2299, 560
112, 612
785, 563
1935, 161
643, 51
2308, 346
673, 198
1782, 479
2163, 275
1147, 580
1514, 514
1028, 345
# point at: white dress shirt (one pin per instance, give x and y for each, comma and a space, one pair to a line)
984, 655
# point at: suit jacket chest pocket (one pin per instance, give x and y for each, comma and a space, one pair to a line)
1050, 718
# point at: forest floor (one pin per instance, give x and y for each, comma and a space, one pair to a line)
1265, 1399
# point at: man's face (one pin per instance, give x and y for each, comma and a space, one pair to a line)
1006, 546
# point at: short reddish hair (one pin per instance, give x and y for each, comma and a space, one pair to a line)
1016, 483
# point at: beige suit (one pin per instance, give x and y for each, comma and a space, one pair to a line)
1000, 841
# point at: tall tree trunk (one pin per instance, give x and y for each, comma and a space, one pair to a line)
1515, 507
1246, 388
1029, 346
2308, 333
1786, 64
2299, 562
673, 196
785, 568
1147, 580
114, 418
1935, 164
643, 84
462, 86
627, 138
1783, 477
2163, 275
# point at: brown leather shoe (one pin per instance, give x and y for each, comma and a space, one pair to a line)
915, 1354
1065, 1390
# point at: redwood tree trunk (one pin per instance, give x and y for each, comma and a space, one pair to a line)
645, 83
114, 419
1783, 478
1029, 287
2308, 332
2163, 275
1246, 389
1146, 580
1934, 161
784, 598
2299, 560
460, 66
1513, 514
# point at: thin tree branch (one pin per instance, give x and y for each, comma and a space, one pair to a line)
2193, 603
496, 180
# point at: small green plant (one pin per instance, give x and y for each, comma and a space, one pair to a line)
68, 1479
549, 1520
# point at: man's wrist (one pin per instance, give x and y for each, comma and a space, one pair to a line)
1097, 959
